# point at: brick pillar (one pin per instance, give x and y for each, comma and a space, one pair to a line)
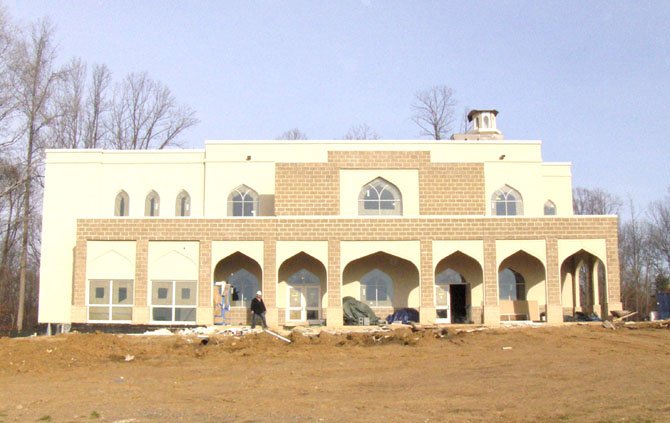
270, 281
553, 284
78, 313
205, 311
491, 307
335, 316
141, 309
612, 281
427, 312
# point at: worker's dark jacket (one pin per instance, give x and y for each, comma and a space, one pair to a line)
257, 306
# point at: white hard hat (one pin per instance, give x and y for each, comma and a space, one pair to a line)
259, 293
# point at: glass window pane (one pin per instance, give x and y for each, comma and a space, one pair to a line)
185, 293
248, 208
500, 208
441, 295
294, 298
161, 293
162, 314
98, 292
237, 209
295, 315
184, 315
122, 313
511, 209
387, 196
312, 314
382, 294
387, 205
98, 313
371, 205
122, 292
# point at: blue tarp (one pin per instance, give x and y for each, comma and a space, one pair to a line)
404, 315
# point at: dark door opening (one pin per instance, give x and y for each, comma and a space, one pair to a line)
458, 306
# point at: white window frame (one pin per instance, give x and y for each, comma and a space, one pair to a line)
377, 275
247, 196
173, 306
510, 196
380, 186
110, 304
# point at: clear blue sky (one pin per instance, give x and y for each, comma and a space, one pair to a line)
589, 79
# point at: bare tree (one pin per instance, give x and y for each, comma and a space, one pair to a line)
97, 106
146, 115
292, 134
464, 121
361, 132
33, 80
659, 236
595, 201
7, 100
67, 130
434, 111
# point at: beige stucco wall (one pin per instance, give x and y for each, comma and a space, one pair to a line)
110, 260
285, 250
352, 181
533, 271
568, 247
173, 260
223, 177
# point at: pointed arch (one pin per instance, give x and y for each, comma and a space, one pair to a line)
152, 204
243, 201
549, 208
121, 204
379, 197
183, 204
377, 289
506, 201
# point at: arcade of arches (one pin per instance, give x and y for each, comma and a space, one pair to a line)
447, 285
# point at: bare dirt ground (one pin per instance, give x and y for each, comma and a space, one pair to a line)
571, 373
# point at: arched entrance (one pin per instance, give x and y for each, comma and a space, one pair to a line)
583, 285
522, 287
383, 281
243, 276
458, 287
301, 292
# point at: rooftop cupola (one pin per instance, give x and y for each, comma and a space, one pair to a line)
482, 126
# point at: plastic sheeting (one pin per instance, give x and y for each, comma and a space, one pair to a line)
356, 312
404, 315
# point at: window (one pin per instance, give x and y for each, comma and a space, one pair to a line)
486, 121
549, 208
377, 289
243, 201
506, 202
380, 197
442, 290
173, 301
245, 285
511, 285
183, 204
152, 204
303, 277
121, 204
110, 300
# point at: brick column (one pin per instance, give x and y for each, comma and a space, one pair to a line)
491, 307
335, 316
553, 284
205, 311
270, 281
612, 281
78, 313
141, 309
427, 312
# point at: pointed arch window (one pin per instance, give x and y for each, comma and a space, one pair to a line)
243, 201
506, 201
245, 285
380, 197
121, 204
549, 208
377, 289
511, 285
152, 204
183, 204
303, 277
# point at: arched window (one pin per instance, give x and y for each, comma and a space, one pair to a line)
380, 197
549, 208
183, 204
377, 289
152, 204
303, 277
506, 201
245, 285
121, 204
511, 285
486, 121
243, 201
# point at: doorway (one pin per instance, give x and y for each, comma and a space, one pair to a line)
304, 304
